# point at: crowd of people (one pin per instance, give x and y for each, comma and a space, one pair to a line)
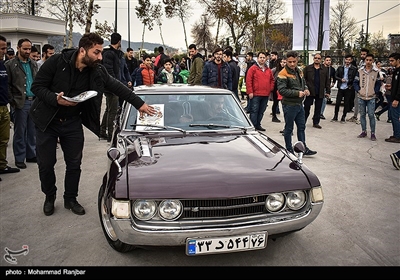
43, 120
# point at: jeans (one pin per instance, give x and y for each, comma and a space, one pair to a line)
294, 114
24, 139
308, 102
70, 133
395, 115
107, 123
4, 135
367, 107
258, 105
324, 100
356, 105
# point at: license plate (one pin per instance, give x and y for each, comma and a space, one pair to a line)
216, 245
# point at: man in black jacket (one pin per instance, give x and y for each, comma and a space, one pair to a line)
235, 70
69, 74
345, 75
112, 61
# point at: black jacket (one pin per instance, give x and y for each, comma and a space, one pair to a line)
56, 75
324, 80
351, 75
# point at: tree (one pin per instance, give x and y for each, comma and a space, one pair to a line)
342, 26
380, 46
248, 21
80, 12
202, 35
180, 9
22, 7
146, 13
89, 16
158, 19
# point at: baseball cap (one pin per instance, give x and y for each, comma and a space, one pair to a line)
10, 51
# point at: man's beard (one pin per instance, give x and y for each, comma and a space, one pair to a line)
90, 62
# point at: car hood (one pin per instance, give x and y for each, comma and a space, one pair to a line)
212, 167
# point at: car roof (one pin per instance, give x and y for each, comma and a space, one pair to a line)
178, 89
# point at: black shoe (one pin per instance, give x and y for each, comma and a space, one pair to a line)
322, 117
20, 165
74, 206
275, 119
309, 152
260, 128
317, 126
9, 169
48, 207
282, 131
103, 136
334, 120
34, 159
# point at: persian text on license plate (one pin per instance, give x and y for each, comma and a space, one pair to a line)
227, 244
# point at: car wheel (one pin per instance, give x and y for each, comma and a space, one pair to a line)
106, 225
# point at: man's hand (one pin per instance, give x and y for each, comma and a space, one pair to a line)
63, 102
147, 109
250, 95
395, 103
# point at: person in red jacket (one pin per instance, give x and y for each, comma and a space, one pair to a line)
145, 74
259, 84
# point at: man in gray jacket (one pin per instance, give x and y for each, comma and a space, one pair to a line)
21, 72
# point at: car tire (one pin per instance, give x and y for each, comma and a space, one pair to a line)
104, 214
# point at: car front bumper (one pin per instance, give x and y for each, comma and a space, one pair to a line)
134, 234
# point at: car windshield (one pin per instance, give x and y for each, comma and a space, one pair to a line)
189, 112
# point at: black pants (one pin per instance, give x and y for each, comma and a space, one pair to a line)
348, 95
276, 103
308, 102
71, 137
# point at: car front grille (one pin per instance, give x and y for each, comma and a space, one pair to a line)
223, 208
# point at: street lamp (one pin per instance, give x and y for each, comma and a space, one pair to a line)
129, 25
115, 21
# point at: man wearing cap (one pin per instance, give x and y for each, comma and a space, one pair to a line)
10, 53
21, 72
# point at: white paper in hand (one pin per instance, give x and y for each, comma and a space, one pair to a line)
81, 97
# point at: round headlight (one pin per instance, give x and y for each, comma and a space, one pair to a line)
170, 209
296, 199
144, 209
275, 202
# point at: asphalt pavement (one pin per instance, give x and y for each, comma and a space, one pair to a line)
359, 224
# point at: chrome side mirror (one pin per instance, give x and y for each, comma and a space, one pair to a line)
113, 154
299, 148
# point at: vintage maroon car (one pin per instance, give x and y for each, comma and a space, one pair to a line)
198, 174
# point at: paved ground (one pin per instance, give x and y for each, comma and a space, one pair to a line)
358, 226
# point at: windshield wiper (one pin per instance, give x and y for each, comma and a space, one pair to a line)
212, 125
157, 126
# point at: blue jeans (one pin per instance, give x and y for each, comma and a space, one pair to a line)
258, 105
24, 139
395, 116
294, 114
367, 107
323, 106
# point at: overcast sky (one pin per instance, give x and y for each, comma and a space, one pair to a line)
384, 16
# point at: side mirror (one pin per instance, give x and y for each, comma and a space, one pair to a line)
113, 154
299, 148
